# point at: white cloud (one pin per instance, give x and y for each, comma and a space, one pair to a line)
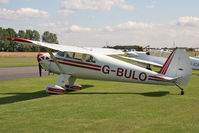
87, 4
109, 28
130, 25
133, 25
128, 33
75, 28
137, 33
93, 5
126, 7
188, 21
65, 12
22, 14
4, 1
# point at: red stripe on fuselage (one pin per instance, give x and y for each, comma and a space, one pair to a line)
83, 63
155, 79
75, 65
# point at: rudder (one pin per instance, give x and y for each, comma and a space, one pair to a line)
178, 66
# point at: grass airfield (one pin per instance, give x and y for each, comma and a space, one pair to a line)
101, 107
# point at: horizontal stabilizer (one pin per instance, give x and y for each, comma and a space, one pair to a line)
143, 61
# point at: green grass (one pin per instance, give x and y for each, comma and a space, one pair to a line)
18, 62
102, 107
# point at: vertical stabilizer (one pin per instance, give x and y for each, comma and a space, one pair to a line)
178, 66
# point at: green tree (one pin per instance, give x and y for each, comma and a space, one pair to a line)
28, 34
20, 47
21, 34
1, 39
36, 37
11, 33
32, 35
49, 37
5, 42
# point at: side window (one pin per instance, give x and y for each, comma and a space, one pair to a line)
90, 58
77, 56
67, 55
60, 53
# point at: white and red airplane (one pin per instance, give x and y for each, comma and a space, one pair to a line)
76, 62
147, 58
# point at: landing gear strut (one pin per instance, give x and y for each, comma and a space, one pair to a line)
149, 67
182, 90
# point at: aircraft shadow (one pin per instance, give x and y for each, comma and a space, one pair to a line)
27, 96
22, 97
39, 94
194, 73
149, 94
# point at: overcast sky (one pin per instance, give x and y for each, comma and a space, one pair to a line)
98, 23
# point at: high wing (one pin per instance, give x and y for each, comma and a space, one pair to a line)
144, 61
105, 51
67, 48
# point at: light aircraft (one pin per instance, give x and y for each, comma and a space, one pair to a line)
197, 57
72, 62
147, 58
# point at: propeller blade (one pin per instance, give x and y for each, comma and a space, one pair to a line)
40, 67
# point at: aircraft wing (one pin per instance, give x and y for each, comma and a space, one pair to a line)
67, 48
105, 51
143, 61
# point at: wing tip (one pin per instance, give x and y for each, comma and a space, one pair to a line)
18, 40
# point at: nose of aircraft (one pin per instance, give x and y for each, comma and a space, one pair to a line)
40, 57
43, 57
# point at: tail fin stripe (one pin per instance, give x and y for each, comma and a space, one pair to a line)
165, 70
166, 64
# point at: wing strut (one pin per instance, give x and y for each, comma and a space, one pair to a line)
55, 60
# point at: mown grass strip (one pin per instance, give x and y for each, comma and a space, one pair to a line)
102, 106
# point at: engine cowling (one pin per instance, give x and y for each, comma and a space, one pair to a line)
55, 89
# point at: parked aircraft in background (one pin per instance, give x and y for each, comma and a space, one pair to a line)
72, 62
197, 57
147, 58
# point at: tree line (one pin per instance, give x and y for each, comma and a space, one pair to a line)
9, 46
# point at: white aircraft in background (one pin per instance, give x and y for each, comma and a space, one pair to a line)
146, 58
75, 62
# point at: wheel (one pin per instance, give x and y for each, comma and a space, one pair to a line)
182, 92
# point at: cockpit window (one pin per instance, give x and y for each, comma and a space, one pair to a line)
77, 56
60, 53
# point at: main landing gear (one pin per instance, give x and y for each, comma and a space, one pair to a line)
70, 85
149, 67
182, 90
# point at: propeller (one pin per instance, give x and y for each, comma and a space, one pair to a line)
40, 68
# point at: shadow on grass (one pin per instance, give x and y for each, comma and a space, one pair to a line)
149, 94
39, 94
195, 73
22, 97
27, 96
